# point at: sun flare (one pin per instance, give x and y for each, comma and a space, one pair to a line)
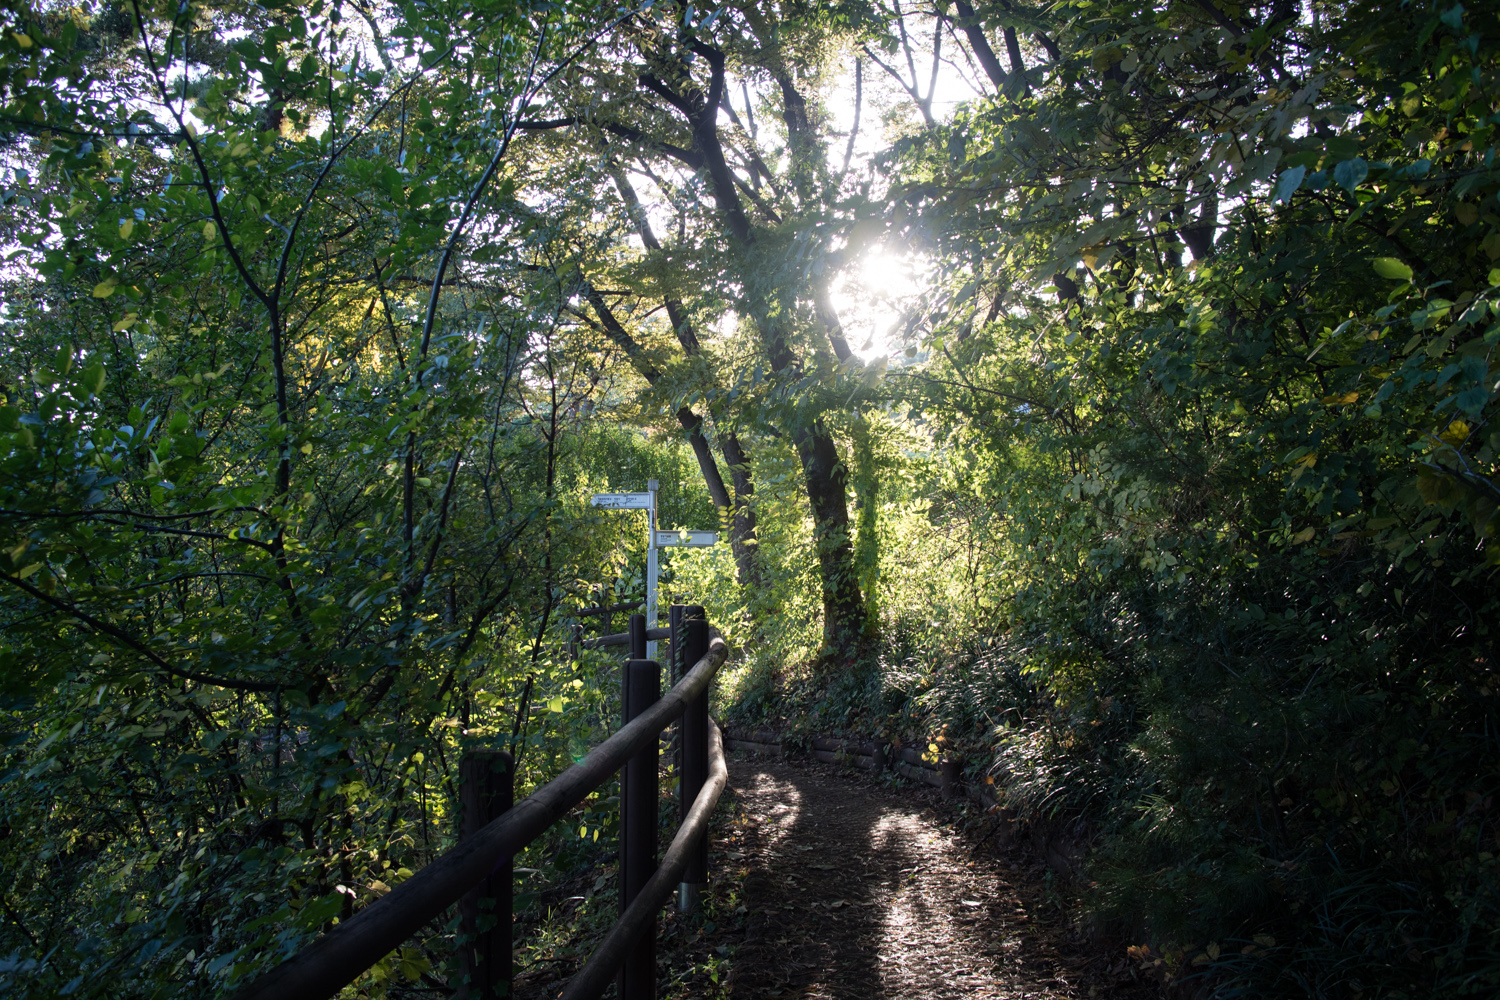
871, 297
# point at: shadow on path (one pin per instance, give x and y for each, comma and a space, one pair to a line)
858, 893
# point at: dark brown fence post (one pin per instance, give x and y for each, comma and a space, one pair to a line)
635, 626
951, 776
675, 670
637, 637
486, 790
638, 823
694, 757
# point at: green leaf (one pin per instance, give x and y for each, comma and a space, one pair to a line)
1348, 174
1390, 267
92, 378
1291, 180
1342, 147
105, 288
1472, 401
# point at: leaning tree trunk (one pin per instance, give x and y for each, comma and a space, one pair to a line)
742, 530
738, 509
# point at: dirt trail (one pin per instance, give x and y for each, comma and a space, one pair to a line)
862, 893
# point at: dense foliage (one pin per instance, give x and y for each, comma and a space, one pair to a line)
1254, 538
1173, 508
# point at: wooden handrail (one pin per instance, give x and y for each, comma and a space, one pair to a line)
605, 609
594, 978
337, 958
623, 638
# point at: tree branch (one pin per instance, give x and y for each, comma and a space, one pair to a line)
72, 611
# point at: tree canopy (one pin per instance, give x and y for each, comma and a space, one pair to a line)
1166, 494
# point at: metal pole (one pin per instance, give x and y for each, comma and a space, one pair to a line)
694, 756
638, 828
486, 790
651, 487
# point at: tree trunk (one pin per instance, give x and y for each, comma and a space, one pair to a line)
843, 605
867, 540
736, 510
739, 510
742, 536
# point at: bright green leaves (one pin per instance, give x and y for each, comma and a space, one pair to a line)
1390, 267
139, 463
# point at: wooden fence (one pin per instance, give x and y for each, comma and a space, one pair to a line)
476, 874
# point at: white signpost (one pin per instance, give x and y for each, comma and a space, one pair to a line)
689, 539
654, 539
626, 501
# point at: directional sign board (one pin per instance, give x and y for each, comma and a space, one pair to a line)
694, 539
622, 501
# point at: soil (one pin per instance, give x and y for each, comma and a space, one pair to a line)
829, 883
854, 891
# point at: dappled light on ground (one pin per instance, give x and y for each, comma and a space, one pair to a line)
860, 892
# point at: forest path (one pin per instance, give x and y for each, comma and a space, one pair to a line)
857, 892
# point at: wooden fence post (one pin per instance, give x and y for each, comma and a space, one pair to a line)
638, 793
675, 670
694, 757
951, 776
486, 790
637, 637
